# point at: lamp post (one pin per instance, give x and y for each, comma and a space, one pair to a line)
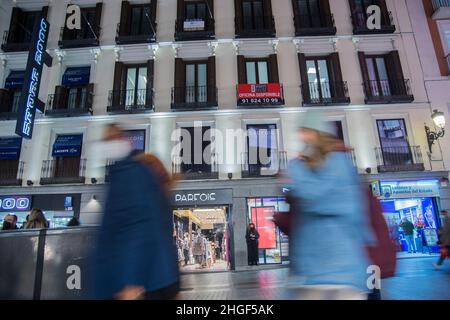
432, 136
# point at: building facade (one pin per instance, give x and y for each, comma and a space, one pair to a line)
251, 66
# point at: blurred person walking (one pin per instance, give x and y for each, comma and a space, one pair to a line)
444, 239
36, 220
330, 226
135, 256
252, 237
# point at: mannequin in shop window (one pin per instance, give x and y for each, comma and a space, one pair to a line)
199, 249
252, 238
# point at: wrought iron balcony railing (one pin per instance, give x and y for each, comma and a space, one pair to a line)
194, 97
397, 159
307, 25
72, 104
11, 172
128, 37
61, 172
188, 171
274, 164
325, 93
388, 91
205, 33
360, 26
255, 27
130, 101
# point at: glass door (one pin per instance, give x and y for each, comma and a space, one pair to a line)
136, 87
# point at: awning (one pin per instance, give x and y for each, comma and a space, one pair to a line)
15, 80
68, 146
10, 148
78, 76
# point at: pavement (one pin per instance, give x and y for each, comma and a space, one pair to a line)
416, 279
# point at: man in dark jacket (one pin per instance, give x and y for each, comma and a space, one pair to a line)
135, 255
408, 230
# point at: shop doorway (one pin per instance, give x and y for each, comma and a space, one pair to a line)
423, 214
202, 237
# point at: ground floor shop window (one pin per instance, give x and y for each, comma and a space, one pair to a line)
202, 239
273, 244
413, 223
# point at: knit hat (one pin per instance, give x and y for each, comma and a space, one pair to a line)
316, 121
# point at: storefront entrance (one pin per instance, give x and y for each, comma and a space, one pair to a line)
202, 239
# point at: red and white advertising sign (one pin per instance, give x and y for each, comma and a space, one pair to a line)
263, 220
270, 93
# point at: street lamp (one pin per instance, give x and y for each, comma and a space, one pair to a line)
432, 136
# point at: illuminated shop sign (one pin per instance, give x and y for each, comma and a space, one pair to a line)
29, 101
202, 197
15, 203
409, 189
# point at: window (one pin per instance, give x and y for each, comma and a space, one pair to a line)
318, 79
140, 20
311, 15
257, 72
196, 150
394, 142
262, 149
196, 82
253, 12
378, 76
136, 85
195, 11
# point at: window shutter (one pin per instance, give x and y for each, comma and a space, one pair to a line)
98, 18
385, 19
326, 12
273, 69
296, 12
212, 89
210, 17
150, 84
242, 72
238, 16
268, 15
304, 77
45, 12
125, 18
336, 81
180, 81
90, 97
364, 73
16, 17
395, 72
5, 100
60, 101
179, 26
117, 85
154, 8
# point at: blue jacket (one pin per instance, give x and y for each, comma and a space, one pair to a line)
135, 245
331, 226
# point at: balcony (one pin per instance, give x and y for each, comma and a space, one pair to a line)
304, 26
62, 172
194, 98
247, 27
130, 101
202, 171
11, 173
79, 38
327, 93
441, 9
16, 42
387, 91
359, 20
267, 95
142, 37
186, 30
399, 159
257, 170
109, 164
71, 105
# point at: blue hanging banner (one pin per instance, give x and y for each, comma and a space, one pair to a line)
15, 80
10, 148
78, 76
68, 146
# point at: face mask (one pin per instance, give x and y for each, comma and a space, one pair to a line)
7, 225
113, 150
308, 150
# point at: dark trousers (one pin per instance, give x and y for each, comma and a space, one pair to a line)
442, 258
186, 256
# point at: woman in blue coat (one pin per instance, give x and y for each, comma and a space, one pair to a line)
330, 227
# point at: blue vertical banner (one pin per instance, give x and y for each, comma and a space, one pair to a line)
29, 99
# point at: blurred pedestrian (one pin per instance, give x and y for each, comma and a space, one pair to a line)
199, 249
10, 222
135, 256
186, 249
252, 237
36, 220
330, 227
444, 239
73, 222
408, 230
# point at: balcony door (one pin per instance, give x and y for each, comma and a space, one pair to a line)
141, 21
135, 86
318, 79
311, 15
394, 142
378, 76
193, 158
262, 149
196, 10
253, 15
196, 82
257, 71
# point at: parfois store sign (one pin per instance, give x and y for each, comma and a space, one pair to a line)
37, 57
202, 197
257, 94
